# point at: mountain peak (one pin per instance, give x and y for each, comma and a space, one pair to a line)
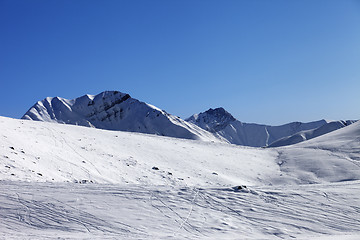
212, 120
220, 113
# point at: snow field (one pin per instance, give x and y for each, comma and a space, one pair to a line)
37, 151
98, 211
71, 182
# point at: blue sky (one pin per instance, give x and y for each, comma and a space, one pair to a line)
264, 61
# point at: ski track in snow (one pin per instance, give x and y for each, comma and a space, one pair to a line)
267, 136
89, 211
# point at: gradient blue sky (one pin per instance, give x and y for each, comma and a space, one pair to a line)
264, 61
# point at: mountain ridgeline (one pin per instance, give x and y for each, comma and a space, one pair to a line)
113, 110
223, 124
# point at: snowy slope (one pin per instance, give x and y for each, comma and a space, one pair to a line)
223, 124
141, 186
332, 157
309, 134
114, 110
40, 151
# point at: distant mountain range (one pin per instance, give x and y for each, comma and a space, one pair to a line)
113, 110
224, 125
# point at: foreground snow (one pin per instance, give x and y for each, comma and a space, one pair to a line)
97, 211
141, 186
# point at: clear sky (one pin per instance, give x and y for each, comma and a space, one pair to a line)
267, 61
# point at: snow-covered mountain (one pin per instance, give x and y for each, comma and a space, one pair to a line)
309, 134
113, 110
223, 124
213, 120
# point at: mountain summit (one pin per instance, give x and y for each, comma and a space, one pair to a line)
113, 110
212, 120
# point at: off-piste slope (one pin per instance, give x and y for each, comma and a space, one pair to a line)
224, 125
331, 157
113, 110
39, 151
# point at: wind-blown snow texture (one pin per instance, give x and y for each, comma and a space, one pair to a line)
224, 125
142, 186
113, 110
74, 211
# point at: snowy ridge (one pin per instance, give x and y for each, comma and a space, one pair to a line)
113, 110
319, 157
309, 134
224, 125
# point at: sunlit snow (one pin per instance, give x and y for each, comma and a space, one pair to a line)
72, 182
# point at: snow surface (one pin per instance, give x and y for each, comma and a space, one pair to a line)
96, 211
41, 151
73, 182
